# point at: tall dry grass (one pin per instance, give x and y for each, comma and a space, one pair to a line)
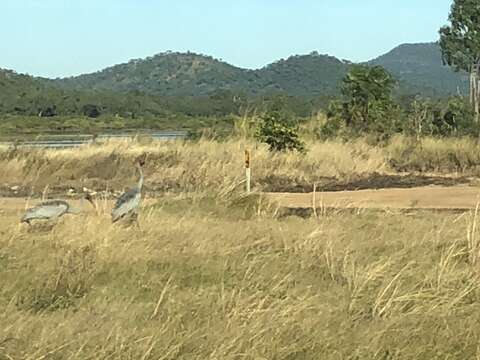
214, 275
452, 155
187, 166
203, 279
207, 165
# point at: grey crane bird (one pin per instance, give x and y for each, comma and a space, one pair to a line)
127, 204
48, 210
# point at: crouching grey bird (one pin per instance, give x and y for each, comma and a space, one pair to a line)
128, 203
51, 210
48, 210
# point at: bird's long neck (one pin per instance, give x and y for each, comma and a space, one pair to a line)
140, 181
90, 200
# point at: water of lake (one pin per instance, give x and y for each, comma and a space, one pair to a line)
70, 141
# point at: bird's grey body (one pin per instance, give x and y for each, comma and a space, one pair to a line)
48, 210
128, 203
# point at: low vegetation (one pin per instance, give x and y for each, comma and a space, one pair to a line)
223, 276
18, 128
215, 274
188, 166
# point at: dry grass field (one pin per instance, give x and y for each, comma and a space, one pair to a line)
183, 166
209, 165
229, 279
214, 274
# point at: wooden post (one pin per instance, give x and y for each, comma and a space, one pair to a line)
248, 173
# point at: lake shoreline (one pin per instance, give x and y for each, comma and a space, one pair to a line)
79, 139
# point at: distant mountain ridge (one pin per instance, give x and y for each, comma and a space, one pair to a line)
165, 74
189, 74
17, 90
418, 67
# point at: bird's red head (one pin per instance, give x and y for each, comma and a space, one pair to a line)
141, 160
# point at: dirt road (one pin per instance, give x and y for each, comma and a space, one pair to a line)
461, 197
429, 197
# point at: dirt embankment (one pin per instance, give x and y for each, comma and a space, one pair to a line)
361, 182
271, 184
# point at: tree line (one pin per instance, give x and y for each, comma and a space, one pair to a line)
367, 106
368, 103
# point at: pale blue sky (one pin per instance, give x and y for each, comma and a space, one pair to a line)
68, 37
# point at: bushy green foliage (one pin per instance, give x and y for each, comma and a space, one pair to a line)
450, 117
367, 106
32, 125
460, 44
460, 41
279, 130
459, 116
335, 124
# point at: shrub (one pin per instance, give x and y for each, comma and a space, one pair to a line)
442, 118
90, 110
278, 129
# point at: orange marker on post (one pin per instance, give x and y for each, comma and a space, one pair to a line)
248, 173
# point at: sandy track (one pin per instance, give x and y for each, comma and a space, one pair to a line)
430, 197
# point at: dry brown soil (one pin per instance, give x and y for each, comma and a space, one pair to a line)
427, 197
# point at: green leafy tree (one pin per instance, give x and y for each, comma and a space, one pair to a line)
460, 44
459, 116
367, 105
364, 86
279, 130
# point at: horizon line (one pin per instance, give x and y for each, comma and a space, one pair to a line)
188, 52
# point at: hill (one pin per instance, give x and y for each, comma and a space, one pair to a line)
26, 95
18, 91
306, 75
166, 74
199, 85
188, 74
419, 69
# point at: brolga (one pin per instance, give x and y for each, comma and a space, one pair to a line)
51, 210
128, 203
